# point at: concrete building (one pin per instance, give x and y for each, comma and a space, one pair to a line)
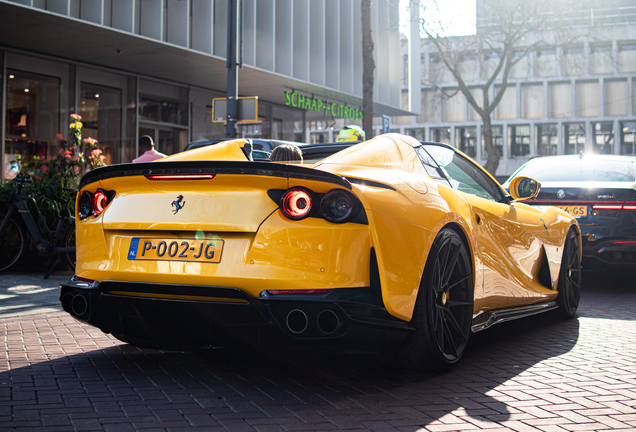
152, 67
561, 99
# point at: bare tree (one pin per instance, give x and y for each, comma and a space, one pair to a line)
368, 65
507, 30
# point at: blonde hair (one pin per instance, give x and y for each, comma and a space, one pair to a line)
286, 153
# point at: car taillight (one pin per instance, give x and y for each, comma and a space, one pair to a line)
94, 204
296, 204
180, 176
613, 207
99, 202
85, 206
336, 206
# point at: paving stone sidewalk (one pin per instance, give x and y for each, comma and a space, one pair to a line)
25, 293
536, 374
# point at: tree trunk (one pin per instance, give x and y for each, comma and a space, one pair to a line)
493, 153
368, 65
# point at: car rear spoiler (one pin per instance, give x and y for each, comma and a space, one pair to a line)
212, 167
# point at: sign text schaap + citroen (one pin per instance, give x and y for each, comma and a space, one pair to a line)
329, 108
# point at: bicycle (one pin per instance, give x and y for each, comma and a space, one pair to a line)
18, 219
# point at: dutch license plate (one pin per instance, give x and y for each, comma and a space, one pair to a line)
576, 211
158, 249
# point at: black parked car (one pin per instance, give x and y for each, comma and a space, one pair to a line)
259, 146
600, 191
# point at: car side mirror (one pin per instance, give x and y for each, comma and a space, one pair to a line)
522, 188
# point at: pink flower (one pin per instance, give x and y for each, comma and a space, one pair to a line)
90, 141
96, 152
76, 117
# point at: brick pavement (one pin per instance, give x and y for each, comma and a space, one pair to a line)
536, 374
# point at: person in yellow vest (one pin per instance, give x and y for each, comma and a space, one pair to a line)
351, 133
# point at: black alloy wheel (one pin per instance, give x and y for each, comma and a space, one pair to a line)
569, 286
444, 309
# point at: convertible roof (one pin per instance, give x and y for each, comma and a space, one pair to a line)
384, 151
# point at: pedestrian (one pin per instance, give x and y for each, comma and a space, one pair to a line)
286, 153
351, 133
147, 150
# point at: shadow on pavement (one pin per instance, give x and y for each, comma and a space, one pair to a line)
291, 388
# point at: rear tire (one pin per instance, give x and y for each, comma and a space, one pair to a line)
68, 240
12, 243
444, 308
569, 286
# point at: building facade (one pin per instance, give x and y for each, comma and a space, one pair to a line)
565, 99
153, 67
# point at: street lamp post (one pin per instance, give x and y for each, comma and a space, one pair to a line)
234, 61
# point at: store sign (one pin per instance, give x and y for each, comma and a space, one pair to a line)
330, 109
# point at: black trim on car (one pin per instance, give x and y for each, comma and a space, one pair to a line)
369, 183
212, 167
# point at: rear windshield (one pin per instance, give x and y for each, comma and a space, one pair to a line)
546, 170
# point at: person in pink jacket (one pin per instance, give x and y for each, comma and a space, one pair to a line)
147, 146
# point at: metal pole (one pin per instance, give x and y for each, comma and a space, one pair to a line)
232, 68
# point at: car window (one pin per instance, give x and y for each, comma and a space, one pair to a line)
431, 166
577, 170
462, 174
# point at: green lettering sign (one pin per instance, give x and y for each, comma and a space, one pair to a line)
329, 108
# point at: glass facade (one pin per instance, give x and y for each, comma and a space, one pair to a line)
32, 116
466, 140
547, 139
628, 138
100, 108
574, 138
519, 140
441, 135
603, 137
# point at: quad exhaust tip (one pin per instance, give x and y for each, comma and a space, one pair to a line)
328, 322
75, 304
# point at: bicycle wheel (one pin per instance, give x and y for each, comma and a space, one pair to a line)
68, 240
12, 243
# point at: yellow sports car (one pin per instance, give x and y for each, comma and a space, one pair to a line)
390, 245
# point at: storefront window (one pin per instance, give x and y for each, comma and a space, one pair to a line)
547, 140
603, 137
616, 104
418, 134
573, 61
167, 140
319, 137
628, 138
574, 138
546, 65
532, 101
163, 103
100, 108
203, 128
627, 57
588, 99
441, 135
33, 116
519, 140
466, 140
560, 103
601, 59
